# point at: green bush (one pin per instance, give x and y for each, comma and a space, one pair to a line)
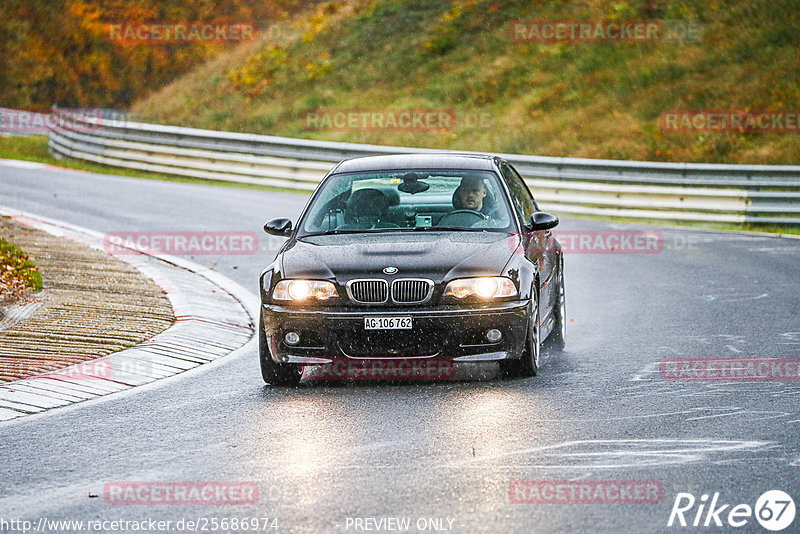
17, 271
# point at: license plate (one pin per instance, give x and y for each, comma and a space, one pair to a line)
387, 323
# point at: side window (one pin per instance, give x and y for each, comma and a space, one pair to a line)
523, 202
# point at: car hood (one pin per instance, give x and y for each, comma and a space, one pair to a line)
439, 256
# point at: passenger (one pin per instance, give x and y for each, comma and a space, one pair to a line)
367, 209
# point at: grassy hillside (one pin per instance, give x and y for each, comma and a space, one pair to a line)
578, 99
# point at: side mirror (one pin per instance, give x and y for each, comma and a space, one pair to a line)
280, 227
541, 220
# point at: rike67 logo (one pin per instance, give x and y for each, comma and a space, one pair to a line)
774, 510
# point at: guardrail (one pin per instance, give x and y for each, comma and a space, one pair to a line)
638, 189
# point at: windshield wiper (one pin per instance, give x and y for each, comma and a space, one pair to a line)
399, 229
351, 231
334, 232
458, 229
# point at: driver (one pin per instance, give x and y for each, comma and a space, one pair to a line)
470, 195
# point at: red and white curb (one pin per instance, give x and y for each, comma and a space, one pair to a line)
214, 317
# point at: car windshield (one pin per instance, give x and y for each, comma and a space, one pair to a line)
403, 201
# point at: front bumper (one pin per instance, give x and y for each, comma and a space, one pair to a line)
457, 333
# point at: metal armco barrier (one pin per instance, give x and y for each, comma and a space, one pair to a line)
637, 189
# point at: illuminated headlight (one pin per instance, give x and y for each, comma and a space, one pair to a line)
303, 290
485, 287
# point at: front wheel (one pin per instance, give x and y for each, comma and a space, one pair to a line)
277, 374
528, 364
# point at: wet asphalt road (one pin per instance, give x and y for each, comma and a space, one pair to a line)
324, 455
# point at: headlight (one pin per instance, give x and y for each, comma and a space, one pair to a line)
485, 287
304, 290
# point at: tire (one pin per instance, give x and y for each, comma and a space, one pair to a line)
558, 337
528, 364
276, 374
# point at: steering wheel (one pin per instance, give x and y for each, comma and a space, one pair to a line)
463, 218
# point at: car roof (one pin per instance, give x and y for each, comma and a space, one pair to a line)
483, 162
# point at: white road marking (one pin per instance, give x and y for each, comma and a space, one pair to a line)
583, 455
621, 454
716, 415
651, 368
580, 477
737, 298
751, 460
769, 415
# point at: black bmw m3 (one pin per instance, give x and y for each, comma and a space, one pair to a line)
409, 258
